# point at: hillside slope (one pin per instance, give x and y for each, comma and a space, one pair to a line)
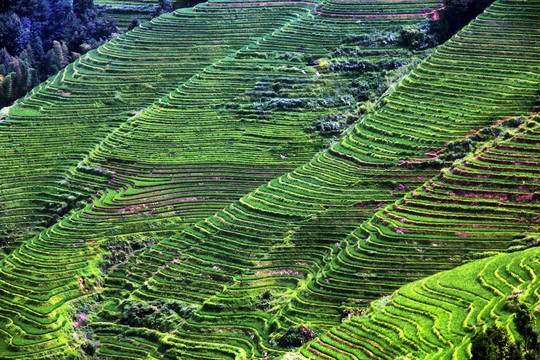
481, 205
286, 236
436, 317
186, 151
173, 84
47, 134
150, 143
403, 242
123, 11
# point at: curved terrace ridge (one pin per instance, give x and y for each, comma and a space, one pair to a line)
434, 11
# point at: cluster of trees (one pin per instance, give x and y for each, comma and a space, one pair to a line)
40, 37
163, 6
162, 315
455, 14
494, 342
296, 336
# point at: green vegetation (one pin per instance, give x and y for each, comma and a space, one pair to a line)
458, 314
161, 315
221, 184
495, 343
456, 14
40, 37
296, 336
130, 13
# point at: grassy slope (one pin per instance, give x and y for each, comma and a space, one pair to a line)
281, 236
125, 10
435, 318
200, 60
483, 203
46, 135
202, 69
93, 101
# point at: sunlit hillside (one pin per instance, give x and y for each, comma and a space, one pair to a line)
282, 179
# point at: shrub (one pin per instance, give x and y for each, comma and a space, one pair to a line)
525, 321
163, 6
513, 352
490, 344
89, 347
328, 125
163, 315
134, 23
265, 300
417, 37
93, 170
296, 337
373, 39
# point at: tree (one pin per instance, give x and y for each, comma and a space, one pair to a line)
36, 54
7, 86
10, 31
18, 77
513, 352
19, 80
6, 5
493, 343
24, 37
1, 104
57, 54
296, 336
164, 6
417, 37
482, 348
523, 317
133, 24
490, 344
499, 337
43, 36
5, 59
82, 7
54, 58
36, 10
59, 19
530, 337
66, 59
525, 325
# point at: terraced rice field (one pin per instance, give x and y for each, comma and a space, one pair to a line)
123, 11
50, 132
115, 102
374, 261
288, 235
115, 107
477, 206
184, 172
435, 318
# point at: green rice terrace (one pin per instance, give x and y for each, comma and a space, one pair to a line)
123, 11
320, 179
